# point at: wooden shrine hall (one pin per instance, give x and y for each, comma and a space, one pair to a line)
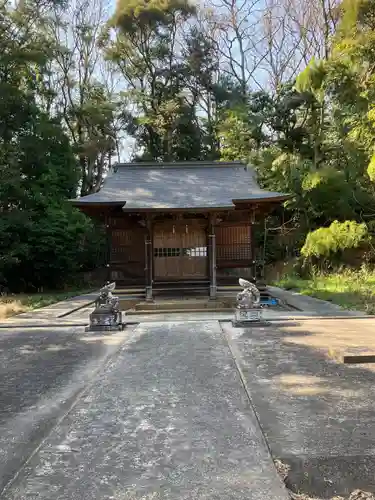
187, 223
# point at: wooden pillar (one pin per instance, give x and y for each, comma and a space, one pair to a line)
149, 260
252, 243
212, 257
252, 251
108, 231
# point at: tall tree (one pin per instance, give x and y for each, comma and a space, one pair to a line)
295, 31
40, 235
234, 27
171, 70
83, 98
350, 77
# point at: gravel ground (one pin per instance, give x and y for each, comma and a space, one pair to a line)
356, 495
283, 471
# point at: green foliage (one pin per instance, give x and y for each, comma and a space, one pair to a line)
43, 240
339, 236
351, 289
237, 136
132, 15
351, 75
371, 168
169, 67
179, 100
317, 141
44, 250
312, 77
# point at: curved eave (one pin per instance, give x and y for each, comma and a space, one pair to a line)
266, 199
236, 203
177, 209
80, 203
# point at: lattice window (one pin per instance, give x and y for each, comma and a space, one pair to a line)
195, 252
234, 252
233, 243
120, 250
167, 252
124, 237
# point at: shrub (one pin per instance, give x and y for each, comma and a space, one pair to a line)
328, 243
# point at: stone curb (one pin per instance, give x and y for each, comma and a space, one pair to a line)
307, 303
4, 326
86, 304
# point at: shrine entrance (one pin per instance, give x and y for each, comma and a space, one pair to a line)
180, 252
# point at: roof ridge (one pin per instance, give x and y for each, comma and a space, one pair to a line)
181, 164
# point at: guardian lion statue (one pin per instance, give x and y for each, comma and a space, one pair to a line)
107, 314
249, 297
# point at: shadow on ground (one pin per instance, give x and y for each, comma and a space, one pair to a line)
317, 414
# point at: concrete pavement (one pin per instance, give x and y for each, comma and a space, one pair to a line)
316, 413
167, 410
42, 372
167, 419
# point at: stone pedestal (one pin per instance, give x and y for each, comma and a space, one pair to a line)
106, 315
247, 316
105, 321
251, 315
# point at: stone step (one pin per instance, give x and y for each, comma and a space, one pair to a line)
184, 304
143, 312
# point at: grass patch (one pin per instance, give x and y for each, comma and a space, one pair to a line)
348, 289
16, 304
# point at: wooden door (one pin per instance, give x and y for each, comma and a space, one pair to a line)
180, 252
194, 260
167, 253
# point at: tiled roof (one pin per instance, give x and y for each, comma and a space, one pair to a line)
179, 185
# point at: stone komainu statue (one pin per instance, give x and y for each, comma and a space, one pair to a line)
106, 300
107, 314
249, 297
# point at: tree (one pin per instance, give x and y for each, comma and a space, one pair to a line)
204, 86
294, 33
144, 41
329, 244
39, 232
351, 74
83, 98
234, 27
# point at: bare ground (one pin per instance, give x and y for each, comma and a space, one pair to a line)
283, 470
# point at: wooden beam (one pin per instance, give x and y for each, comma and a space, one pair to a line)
352, 358
358, 358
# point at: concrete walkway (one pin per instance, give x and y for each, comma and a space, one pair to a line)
42, 372
167, 419
317, 413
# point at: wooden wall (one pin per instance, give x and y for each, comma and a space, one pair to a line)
233, 244
127, 250
234, 252
127, 234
